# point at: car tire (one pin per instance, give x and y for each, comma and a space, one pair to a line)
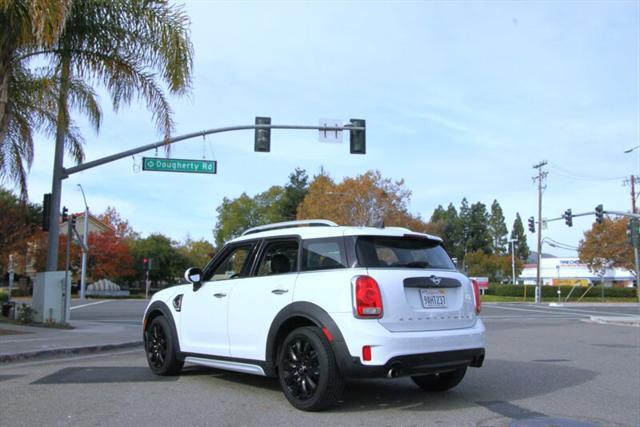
307, 370
440, 382
160, 347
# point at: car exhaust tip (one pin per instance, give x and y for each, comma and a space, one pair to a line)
394, 372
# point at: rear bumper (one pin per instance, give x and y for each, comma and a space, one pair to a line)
415, 364
408, 353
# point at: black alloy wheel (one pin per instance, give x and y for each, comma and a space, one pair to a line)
307, 370
157, 346
301, 369
160, 348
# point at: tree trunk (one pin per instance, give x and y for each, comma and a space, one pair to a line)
5, 75
58, 160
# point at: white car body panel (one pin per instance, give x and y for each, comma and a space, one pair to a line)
203, 326
252, 307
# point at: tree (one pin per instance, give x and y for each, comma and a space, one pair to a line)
465, 223
607, 244
497, 228
197, 252
294, 193
168, 263
131, 47
235, 216
109, 257
517, 233
479, 236
494, 266
123, 229
19, 228
27, 97
363, 200
449, 226
278, 203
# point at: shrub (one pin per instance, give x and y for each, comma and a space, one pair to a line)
26, 313
552, 291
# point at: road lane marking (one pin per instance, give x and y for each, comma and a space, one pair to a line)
506, 317
91, 303
601, 313
525, 309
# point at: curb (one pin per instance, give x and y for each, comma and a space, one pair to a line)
8, 358
617, 320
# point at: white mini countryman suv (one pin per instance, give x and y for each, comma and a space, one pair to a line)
312, 303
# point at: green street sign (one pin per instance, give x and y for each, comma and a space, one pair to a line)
179, 165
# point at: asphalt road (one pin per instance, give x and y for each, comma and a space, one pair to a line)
542, 362
110, 311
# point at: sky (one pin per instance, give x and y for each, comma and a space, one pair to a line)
461, 99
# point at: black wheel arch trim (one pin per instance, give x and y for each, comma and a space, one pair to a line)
165, 311
316, 315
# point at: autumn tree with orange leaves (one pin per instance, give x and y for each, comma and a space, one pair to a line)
363, 200
607, 243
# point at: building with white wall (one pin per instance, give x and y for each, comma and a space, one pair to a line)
569, 271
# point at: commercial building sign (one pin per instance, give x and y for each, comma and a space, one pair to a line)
570, 282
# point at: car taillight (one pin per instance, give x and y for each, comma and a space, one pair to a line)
366, 297
476, 295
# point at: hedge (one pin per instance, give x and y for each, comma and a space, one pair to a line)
552, 291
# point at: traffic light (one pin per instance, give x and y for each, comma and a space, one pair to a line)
568, 218
73, 221
65, 214
145, 264
532, 225
357, 138
599, 214
46, 211
632, 231
262, 140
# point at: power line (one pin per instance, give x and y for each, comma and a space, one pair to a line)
579, 176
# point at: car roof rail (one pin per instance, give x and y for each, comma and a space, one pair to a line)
289, 224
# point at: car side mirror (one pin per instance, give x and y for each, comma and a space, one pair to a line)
194, 275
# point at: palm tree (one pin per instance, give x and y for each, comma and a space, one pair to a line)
128, 46
25, 96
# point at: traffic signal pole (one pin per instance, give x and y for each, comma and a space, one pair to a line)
60, 172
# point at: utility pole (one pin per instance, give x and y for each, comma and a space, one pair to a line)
636, 255
540, 177
513, 260
85, 247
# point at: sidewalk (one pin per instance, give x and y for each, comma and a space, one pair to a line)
617, 320
18, 342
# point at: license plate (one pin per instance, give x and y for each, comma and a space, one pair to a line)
433, 298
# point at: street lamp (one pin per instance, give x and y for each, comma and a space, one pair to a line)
513, 260
85, 249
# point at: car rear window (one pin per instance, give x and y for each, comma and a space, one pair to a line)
401, 252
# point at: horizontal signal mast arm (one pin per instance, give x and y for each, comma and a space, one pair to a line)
108, 159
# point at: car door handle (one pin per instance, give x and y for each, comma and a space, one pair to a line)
279, 291
220, 295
